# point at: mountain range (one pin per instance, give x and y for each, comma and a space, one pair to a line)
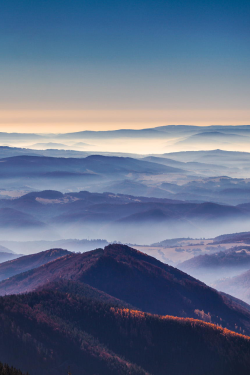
104, 215
128, 275
95, 314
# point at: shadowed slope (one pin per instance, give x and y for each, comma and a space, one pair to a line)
7, 370
47, 331
138, 279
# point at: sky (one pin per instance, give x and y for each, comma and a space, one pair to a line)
75, 65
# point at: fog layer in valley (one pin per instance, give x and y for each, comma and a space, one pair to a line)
81, 191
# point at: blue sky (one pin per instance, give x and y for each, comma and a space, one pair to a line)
168, 57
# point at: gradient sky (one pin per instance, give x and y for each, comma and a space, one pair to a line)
75, 65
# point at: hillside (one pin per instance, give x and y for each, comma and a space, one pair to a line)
49, 331
139, 280
7, 370
28, 262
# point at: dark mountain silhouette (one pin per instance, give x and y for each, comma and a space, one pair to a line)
7, 370
137, 279
49, 331
28, 262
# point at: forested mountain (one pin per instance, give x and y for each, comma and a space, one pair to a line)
48, 331
139, 280
7, 370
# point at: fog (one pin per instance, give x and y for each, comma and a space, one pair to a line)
137, 234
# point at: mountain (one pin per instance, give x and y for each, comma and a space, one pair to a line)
29, 262
95, 171
166, 132
61, 327
53, 214
200, 180
37, 165
137, 279
7, 151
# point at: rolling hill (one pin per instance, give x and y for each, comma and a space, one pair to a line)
137, 279
58, 327
39, 165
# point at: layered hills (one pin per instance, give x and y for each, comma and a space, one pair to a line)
97, 314
49, 331
105, 214
139, 280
